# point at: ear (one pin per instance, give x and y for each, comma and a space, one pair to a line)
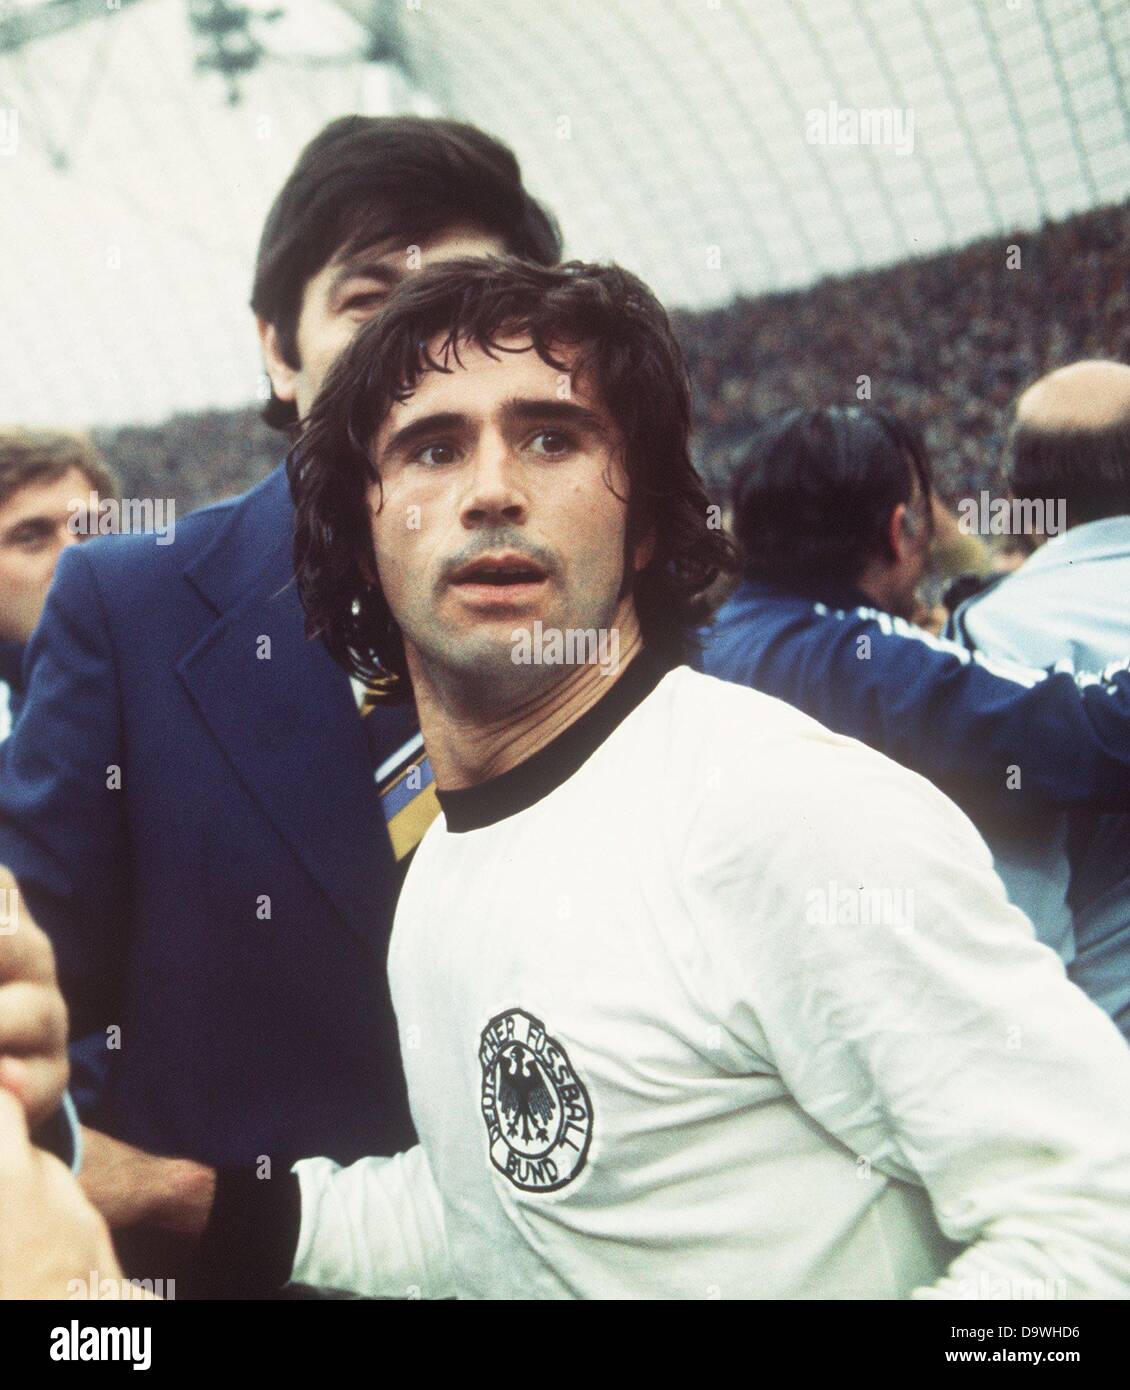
283, 375
898, 532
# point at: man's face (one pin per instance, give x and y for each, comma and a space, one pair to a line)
345, 294
503, 503
33, 534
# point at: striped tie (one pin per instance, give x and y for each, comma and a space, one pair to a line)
406, 786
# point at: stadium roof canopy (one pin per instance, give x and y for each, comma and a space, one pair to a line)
716, 146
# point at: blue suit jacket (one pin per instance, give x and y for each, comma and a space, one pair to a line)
227, 907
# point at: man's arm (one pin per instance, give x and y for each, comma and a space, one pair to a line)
939, 1040
1005, 733
133, 1189
374, 1228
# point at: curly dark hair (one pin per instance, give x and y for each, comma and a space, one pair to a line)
624, 348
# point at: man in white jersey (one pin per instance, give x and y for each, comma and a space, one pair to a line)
696, 997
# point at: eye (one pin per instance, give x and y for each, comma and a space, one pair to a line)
552, 443
436, 455
364, 303
30, 538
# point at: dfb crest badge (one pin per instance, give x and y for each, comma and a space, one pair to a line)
537, 1111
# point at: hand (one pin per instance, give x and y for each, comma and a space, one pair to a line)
133, 1188
33, 1017
51, 1238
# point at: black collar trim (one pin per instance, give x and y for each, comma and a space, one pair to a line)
472, 808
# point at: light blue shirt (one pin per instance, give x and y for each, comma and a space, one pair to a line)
1071, 599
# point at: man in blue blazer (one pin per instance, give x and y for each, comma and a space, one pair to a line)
188, 800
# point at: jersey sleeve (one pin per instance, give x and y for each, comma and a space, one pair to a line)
373, 1228
1004, 732
861, 945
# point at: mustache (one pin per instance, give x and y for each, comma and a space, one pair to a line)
489, 541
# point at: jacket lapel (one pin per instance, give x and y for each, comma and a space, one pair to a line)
285, 715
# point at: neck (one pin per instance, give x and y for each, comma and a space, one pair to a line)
470, 741
880, 583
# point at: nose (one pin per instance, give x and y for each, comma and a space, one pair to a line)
495, 489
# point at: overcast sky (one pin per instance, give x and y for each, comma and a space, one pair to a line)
702, 142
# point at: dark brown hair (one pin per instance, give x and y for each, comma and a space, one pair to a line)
813, 495
366, 179
44, 456
625, 353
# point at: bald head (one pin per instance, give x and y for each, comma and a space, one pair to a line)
1071, 440
1084, 396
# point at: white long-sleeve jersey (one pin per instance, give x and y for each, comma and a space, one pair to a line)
707, 1001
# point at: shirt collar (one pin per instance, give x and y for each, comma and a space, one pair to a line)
1108, 539
472, 808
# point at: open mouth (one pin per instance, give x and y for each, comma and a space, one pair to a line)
500, 572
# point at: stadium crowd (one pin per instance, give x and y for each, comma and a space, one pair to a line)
958, 337
948, 341
190, 781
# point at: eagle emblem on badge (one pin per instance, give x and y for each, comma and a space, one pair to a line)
536, 1108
